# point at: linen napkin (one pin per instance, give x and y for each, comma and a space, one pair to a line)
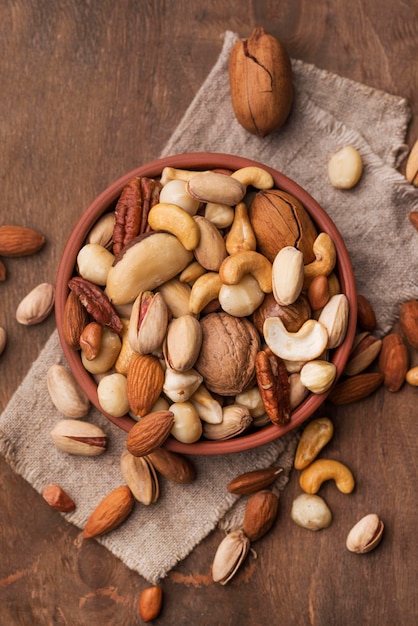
328, 112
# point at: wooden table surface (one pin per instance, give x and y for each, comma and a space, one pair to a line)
89, 91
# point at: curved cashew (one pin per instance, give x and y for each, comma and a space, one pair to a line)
325, 258
314, 437
175, 220
312, 477
234, 267
306, 344
205, 289
255, 176
241, 235
173, 173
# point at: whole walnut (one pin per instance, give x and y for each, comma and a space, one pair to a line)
227, 356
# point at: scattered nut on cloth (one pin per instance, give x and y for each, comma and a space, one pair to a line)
328, 112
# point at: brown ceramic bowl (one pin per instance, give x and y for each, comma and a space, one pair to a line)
199, 161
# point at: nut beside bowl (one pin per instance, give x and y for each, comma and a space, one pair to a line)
106, 202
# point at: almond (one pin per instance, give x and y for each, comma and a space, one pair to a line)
150, 433
57, 498
150, 603
355, 388
408, 319
110, 512
20, 241
366, 317
260, 514
249, 482
145, 379
75, 318
173, 466
393, 361
413, 218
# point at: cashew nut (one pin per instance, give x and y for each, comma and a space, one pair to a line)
205, 289
255, 176
172, 173
234, 267
312, 477
306, 344
173, 219
241, 235
325, 258
314, 437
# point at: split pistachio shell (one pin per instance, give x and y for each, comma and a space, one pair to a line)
111, 392
65, 392
311, 512
36, 305
140, 476
148, 323
235, 420
78, 437
183, 342
229, 556
365, 535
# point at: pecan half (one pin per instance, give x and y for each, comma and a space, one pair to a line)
96, 302
132, 209
273, 383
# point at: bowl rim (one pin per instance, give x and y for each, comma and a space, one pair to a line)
201, 161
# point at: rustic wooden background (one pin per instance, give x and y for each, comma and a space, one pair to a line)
90, 90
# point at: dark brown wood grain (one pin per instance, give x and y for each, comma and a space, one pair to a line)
89, 91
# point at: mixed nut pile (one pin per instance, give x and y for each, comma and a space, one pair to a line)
205, 303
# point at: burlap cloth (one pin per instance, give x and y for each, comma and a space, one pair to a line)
328, 112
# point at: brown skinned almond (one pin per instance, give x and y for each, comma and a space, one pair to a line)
250, 482
355, 388
408, 319
393, 361
260, 514
150, 603
173, 466
150, 433
110, 512
20, 241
